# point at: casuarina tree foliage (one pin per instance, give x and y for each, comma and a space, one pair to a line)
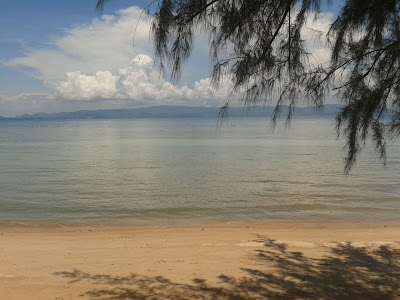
260, 45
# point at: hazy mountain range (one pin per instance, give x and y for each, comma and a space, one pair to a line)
178, 112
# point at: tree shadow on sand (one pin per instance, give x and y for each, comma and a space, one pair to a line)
346, 272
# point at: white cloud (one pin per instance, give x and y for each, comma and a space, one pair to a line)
136, 85
314, 33
24, 103
139, 81
79, 86
104, 44
98, 61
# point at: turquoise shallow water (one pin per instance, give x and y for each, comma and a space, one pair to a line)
146, 171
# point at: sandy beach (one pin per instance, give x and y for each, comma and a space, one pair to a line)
236, 261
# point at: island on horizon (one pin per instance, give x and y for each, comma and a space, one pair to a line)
329, 110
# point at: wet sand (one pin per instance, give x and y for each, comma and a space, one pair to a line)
218, 261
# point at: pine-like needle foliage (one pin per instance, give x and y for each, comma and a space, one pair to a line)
260, 46
365, 46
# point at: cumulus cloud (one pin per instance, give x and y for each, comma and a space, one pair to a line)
103, 44
138, 81
77, 86
98, 61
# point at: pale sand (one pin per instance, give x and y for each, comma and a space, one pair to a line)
245, 261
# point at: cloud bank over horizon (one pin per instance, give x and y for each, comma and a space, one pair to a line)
95, 66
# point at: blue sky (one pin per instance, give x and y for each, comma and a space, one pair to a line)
65, 56
28, 24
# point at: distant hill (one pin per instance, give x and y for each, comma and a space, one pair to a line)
179, 112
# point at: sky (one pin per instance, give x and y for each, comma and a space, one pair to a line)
65, 56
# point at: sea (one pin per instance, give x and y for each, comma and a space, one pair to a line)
189, 171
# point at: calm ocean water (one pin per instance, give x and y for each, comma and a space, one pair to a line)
146, 171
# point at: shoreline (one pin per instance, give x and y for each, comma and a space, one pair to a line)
207, 261
5, 225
